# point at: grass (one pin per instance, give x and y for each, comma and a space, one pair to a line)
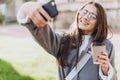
7, 72
25, 57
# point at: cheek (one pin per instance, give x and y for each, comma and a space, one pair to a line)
93, 25
79, 17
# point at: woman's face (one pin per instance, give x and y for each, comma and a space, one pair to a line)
87, 19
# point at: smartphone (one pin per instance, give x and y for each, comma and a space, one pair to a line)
51, 9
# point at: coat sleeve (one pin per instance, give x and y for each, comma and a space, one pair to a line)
112, 61
46, 37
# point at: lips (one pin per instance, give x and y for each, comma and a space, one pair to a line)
84, 22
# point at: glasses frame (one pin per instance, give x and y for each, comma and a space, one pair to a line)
91, 15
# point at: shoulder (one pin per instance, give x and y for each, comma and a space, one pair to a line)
109, 46
108, 43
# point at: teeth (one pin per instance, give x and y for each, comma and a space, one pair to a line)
83, 22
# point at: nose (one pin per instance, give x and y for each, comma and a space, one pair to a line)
86, 16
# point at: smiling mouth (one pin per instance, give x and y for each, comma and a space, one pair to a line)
83, 22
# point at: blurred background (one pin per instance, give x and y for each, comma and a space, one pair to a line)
21, 58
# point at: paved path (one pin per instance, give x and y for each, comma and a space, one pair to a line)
14, 31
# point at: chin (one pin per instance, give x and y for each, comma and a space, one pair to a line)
83, 27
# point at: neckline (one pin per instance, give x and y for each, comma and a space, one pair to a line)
86, 36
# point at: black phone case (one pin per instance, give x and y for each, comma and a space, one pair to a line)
51, 8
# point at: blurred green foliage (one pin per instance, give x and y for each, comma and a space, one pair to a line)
2, 18
7, 72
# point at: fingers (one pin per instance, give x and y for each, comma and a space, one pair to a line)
38, 20
44, 13
104, 53
104, 62
103, 58
38, 23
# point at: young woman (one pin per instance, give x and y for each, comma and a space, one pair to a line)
90, 26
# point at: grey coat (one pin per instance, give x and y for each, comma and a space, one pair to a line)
52, 43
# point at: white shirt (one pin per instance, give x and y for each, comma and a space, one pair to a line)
85, 39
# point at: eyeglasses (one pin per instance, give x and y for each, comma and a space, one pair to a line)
91, 15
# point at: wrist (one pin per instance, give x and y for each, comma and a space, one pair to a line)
105, 70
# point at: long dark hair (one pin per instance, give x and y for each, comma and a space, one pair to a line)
76, 35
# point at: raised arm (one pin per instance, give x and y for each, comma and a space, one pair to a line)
30, 15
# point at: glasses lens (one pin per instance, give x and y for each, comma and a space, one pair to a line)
92, 16
82, 12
